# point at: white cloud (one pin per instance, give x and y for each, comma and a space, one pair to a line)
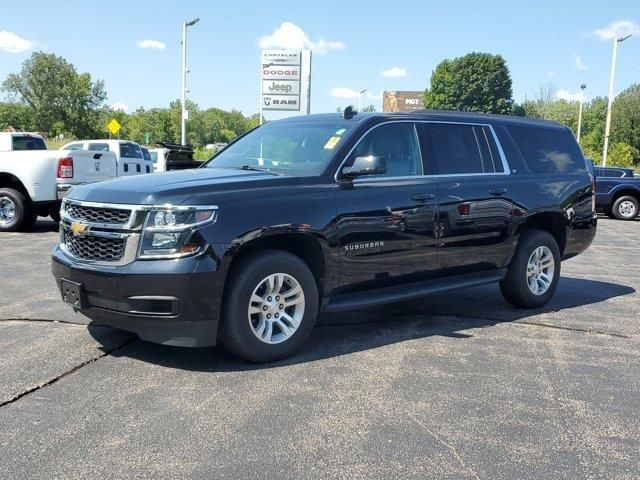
344, 92
551, 73
123, 107
290, 35
570, 97
395, 72
151, 44
12, 43
577, 59
617, 29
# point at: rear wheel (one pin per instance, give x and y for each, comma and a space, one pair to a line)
626, 208
270, 307
16, 212
533, 275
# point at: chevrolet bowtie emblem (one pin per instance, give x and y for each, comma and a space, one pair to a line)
78, 228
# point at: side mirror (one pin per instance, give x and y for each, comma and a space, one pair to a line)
591, 168
365, 166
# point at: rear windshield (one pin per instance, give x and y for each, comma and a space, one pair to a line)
145, 154
130, 150
28, 143
100, 147
548, 150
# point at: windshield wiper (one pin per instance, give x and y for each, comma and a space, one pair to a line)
258, 169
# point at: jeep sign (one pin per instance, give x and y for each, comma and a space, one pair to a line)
280, 87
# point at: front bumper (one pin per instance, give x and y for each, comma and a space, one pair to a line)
173, 302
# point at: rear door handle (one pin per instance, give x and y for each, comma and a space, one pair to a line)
422, 197
498, 191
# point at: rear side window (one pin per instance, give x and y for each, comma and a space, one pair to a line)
457, 149
100, 147
548, 150
154, 156
28, 143
146, 155
130, 150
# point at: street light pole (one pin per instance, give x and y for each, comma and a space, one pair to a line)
183, 113
360, 99
607, 127
582, 87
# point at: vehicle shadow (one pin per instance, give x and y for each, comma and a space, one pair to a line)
450, 315
44, 225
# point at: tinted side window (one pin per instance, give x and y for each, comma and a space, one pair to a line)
548, 150
28, 143
146, 155
100, 147
130, 150
460, 149
397, 143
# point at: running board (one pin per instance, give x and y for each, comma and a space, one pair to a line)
409, 291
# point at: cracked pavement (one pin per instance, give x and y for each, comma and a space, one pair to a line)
456, 385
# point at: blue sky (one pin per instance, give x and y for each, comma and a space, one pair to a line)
355, 43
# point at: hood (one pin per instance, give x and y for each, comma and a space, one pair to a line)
176, 186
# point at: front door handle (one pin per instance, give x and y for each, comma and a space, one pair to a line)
498, 191
422, 197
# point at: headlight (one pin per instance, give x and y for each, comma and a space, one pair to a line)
171, 232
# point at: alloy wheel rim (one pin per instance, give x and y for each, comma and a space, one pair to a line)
627, 208
7, 210
540, 270
276, 308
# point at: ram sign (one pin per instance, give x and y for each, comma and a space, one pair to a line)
402, 101
285, 80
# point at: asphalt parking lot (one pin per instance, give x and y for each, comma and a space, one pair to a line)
457, 385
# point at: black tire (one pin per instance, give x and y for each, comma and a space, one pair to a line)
54, 213
21, 209
626, 208
236, 332
515, 286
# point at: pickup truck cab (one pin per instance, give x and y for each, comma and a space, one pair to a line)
129, 155
33, 180
327, 213
617, 192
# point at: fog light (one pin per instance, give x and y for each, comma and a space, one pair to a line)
164, 240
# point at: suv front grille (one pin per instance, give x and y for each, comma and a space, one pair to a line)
98, 249
114, 216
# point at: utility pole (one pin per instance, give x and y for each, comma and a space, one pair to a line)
184, 113
607, 127
582, 87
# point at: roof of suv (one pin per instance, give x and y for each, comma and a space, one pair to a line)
443, 115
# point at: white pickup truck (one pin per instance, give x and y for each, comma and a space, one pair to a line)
33, 180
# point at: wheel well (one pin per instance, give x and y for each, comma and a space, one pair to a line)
624, 193
304, 246
554, 223
8, 180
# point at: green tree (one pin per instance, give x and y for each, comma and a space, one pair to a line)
60, 99
622, 155
625, 119
476, 82
15, 115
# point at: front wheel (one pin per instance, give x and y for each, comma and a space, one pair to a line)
270, 307
626, 208
533, 275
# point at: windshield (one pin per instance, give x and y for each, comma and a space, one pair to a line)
293, 148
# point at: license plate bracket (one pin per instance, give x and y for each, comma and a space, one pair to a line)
73, 293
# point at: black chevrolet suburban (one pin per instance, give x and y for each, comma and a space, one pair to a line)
323, 213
